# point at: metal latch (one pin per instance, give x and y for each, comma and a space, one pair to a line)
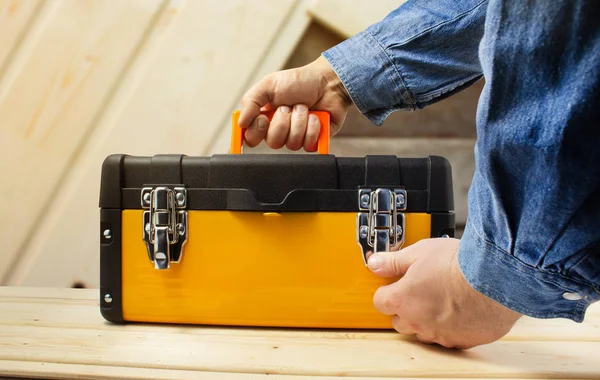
165, 224
380, 224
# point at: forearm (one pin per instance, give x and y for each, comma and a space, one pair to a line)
419, 54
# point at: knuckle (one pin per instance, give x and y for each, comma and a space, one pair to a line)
399, 325
399, 303
389, 303
389, 300
245, 99
266, 81
279, 130
312, 135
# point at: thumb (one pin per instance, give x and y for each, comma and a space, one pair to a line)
258, 96
391, 264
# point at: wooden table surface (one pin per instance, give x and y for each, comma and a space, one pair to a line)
60, 334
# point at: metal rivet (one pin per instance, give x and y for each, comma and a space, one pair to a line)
364, 199
107, 234
147, 227
399, 199
363, 232
180, 229
572, 296
445, 236
180, 199
107, 298
147, 197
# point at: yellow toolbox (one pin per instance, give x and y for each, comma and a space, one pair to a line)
276, 240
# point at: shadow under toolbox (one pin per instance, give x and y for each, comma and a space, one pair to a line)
261, 239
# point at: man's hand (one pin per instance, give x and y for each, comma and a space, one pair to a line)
433, 300
292, 93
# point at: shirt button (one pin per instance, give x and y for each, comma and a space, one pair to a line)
572, 296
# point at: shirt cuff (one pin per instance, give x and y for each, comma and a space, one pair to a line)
369, 76
520, 287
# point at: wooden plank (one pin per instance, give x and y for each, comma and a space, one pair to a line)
282, 47
15, 19
50, 100
60, 331
295, 355
173, 101
85, 314
35, 370
24, 44
41, 370
348, 17
78, 309
46, 294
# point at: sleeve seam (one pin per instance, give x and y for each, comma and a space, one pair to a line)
425, 31
430, 95
503, 255
404, 89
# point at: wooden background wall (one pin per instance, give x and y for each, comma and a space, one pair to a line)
81, 79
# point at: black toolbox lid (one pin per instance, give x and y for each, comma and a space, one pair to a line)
277, 182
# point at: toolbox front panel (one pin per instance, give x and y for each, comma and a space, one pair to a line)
293, 269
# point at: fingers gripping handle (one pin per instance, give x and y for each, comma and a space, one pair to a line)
237, 133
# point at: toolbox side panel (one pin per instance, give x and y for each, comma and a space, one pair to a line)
441, 195
111, 184
441, 198
443, 223
110, 265
111, 181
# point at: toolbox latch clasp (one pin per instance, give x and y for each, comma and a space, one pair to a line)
165, 224
380, 222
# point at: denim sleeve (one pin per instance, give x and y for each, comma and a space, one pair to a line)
532, 239
420, 53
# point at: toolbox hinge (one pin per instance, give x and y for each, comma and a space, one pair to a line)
380, 222
165, 224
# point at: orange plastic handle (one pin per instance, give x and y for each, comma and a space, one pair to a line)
237, 133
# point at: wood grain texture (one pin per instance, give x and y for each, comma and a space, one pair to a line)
15, 18
172, 100
35, 370
71, 339
50, 97
348, 17
21, 306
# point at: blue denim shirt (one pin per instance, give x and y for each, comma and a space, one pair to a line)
532, 239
